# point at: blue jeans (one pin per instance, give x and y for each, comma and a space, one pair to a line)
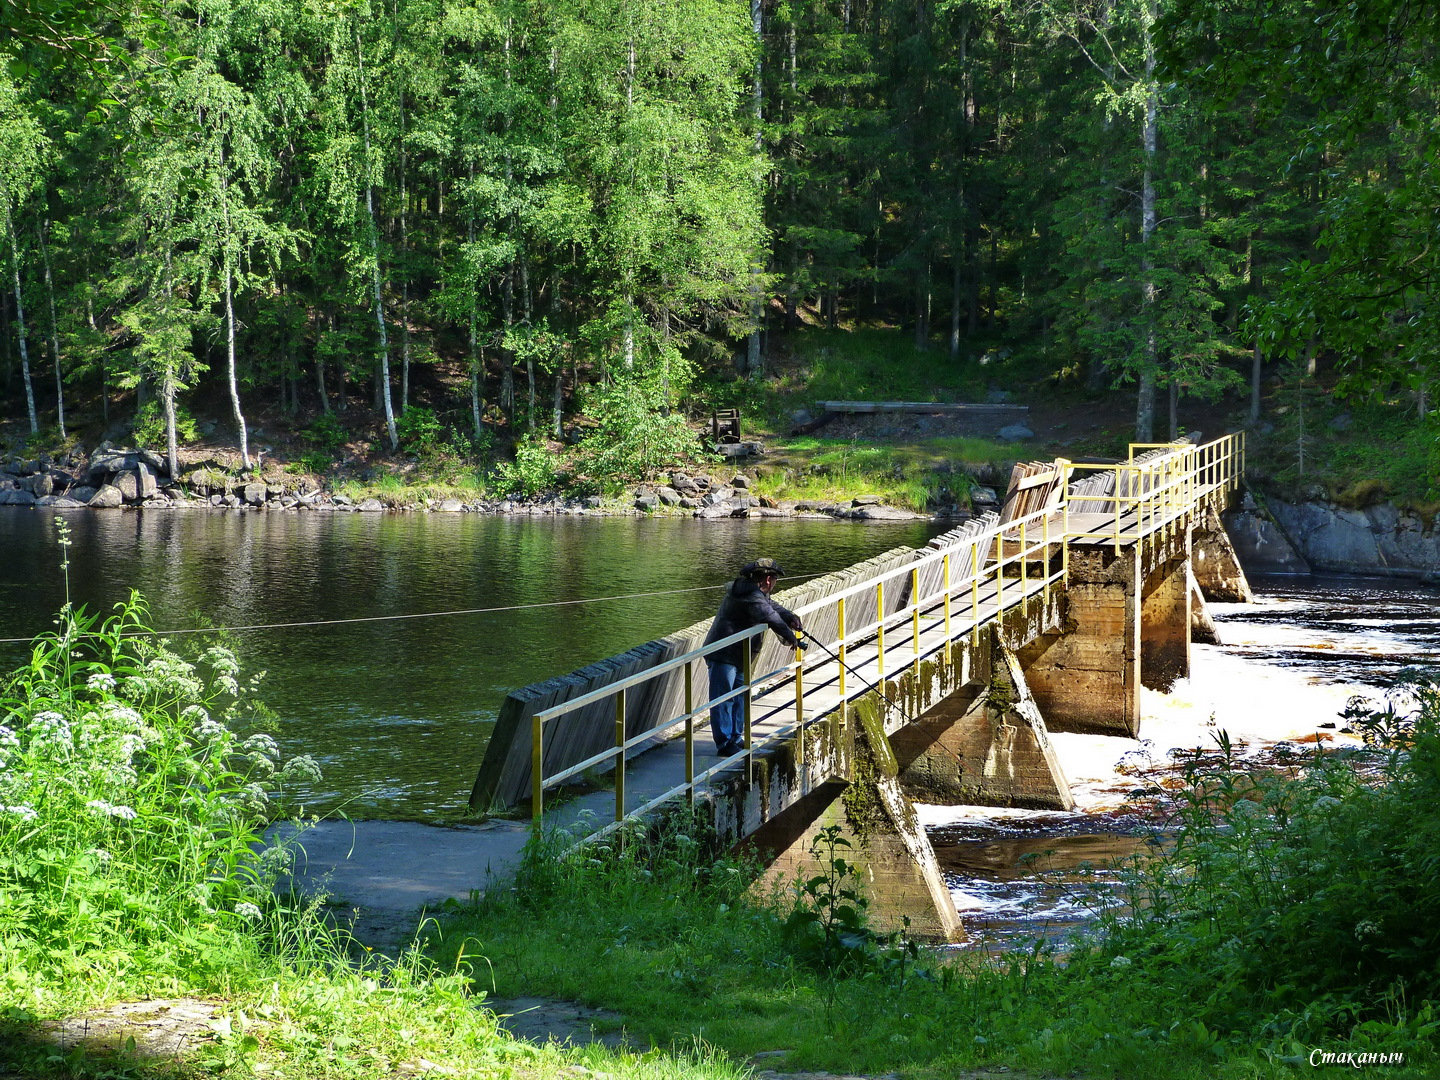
727, 720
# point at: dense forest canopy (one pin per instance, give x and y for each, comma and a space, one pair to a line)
308, 202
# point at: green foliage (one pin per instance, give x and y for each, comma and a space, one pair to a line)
829, 927
534, 470
131, 807
422, 433
634, 433
327, 433
149, 426
1296, 899
312, 461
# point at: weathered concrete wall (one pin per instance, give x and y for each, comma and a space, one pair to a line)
984, 745
888, 845
1216, 565
1165, 626
1260, 544
1085, 676
1202, 626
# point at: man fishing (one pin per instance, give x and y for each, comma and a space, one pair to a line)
747, 603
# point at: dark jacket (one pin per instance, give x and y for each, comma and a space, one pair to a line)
746, 605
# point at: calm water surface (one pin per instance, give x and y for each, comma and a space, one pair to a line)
398, 713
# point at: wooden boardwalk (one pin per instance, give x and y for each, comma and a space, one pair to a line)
890, 622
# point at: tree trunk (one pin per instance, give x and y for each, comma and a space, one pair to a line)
230, 320
754, 363
404, 277
54, 332
1255, 386
476, 368
20, 327
167, 384
384, 374
955, 302
1145, 398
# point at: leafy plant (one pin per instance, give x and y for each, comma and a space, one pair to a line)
422, 433
149, 427
829, 928
327, 433
535, 469
634, 434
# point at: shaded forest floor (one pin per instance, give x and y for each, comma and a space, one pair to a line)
1308, 442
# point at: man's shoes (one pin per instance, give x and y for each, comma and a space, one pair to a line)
729, 749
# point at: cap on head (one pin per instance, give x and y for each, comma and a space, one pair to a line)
762, 568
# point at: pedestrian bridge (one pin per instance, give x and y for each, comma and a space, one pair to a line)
935, 673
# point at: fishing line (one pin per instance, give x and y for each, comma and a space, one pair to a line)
415, 615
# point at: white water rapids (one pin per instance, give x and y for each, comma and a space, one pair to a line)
1288, 664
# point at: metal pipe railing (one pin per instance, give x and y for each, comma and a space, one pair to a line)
1158, 492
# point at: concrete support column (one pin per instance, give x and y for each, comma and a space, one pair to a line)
1202, 626
895, 861
1217, 567
1165, 626
1085, 677
984, 745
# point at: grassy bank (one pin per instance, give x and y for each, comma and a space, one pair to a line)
1293, 919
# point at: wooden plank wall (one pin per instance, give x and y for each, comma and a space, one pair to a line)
504, 775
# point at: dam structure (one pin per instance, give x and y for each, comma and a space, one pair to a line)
935, 675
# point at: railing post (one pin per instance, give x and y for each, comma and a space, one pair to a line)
945, 570
915, 608
880, 628
537, 769
975, 594
620, 755
749, 697
799, 707
1024, 558
841, 652
690, 733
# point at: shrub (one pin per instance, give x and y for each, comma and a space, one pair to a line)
633, 435
129, 806
421, 432
149, 425
327, 433
535, 469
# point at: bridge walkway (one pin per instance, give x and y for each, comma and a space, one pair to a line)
969, 580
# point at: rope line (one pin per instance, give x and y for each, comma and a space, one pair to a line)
412, 615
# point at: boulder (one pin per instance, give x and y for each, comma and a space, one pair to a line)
371, 506
344, 500
740, 480
865, 500
690, 504
1015, 432
740, 450
253, 493
156, 463
883, 513
108, 462
646, 503
983, 495
64, 502
683, 484
146, 479
83, 493
592, 502
668, 495
274, 491
1260, 545
42, 484
6, 483
16, 497
108, 497
451, 506
128, 484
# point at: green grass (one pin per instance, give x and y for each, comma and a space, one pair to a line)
1287, 918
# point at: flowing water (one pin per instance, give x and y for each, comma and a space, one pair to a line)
397, 713
1288, 664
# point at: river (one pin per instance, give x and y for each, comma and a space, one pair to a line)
397, 713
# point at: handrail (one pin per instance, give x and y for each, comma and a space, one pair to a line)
1157, 492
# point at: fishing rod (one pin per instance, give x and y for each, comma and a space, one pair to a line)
880, 686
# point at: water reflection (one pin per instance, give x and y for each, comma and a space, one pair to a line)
398, 712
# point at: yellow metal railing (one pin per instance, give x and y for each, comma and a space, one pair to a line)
1022, 569
980, 577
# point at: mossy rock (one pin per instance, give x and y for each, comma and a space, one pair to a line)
1363, 493
210, 480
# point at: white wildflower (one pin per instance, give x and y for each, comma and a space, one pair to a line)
302, 767
50, 731
100, 855
222, 660
1121, 962
228, 685
194, 714
261, 744
24, 813
247, 910
1367, 928
102, 682
1325, 802
253, 797
210, 730
100, 806
120, 716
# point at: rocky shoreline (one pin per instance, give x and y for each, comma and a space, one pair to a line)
119, 479
1273, 535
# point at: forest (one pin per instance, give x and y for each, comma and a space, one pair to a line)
538, 209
